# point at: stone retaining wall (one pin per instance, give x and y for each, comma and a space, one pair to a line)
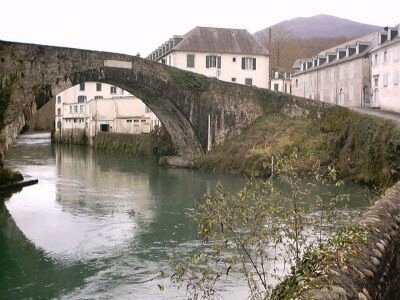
372, 270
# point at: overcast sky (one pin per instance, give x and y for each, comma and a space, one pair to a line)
128, 26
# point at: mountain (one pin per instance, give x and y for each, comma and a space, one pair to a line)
305, 37
321, 26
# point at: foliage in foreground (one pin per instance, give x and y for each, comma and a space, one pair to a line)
260, 233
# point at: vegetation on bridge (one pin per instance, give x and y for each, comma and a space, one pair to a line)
189, 81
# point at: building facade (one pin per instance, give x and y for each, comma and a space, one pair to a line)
385, 70
281, 82
340, 75
94, 107
232, 55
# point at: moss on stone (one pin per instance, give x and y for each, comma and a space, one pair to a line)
272, 102
189, 81
6, 89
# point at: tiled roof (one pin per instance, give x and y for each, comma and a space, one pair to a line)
220, 40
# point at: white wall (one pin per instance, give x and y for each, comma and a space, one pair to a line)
122, 111
229, 68
387, 91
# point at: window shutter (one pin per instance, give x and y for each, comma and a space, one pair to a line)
254, 63
207, 61
243, 63
219, 62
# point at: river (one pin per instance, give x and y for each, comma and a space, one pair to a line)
99, 225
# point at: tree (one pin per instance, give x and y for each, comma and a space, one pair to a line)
248, 232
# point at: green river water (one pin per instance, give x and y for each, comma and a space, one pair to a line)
100, 225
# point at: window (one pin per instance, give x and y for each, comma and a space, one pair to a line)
98, 87
81, 99
385, 57
82, 86
142, 121
276, 87
58, 111
248, 81
248, 63
163, 61
70, 109
190, 60
297, 83
135, 121
234, 59
128, 121
75, 108
396, 78
385, 79
376, 81
81, 108
59, 124
233, 79
113, 89
104, 127
213, 61
59, 99
98, 97
376, 59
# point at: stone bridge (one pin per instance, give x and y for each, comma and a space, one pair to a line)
198, 112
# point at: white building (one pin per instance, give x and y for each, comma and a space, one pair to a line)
385, 70
339, 75
94, 107
232, 55
281, 82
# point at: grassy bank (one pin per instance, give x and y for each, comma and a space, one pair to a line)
361, 148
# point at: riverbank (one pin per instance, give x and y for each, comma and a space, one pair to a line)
156, 144
360, 148
9, 177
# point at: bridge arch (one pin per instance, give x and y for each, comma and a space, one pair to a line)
197, 111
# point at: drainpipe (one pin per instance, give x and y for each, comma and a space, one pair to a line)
209, 133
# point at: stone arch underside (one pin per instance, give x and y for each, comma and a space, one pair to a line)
183, 101
157, 98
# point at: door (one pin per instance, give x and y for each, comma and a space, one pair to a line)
341, 97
